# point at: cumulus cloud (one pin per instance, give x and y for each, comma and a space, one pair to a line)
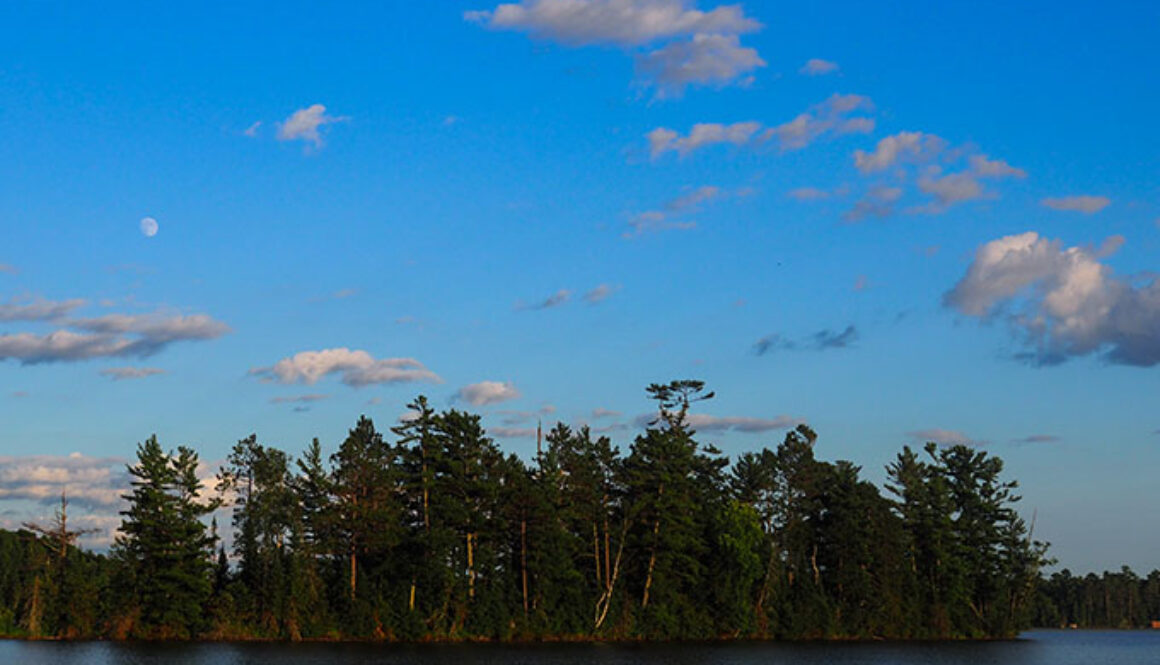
125, 373
662, 139
356, 368
821, 340
555, 300
1086, 204
599, 294
965, 185
620, 22
675, 43
944, 184
943, 437
1061, 302
818, 67
668, 217
904, 147
834, 116
88, 481
487, 392
305, 125
716, 60
38, 310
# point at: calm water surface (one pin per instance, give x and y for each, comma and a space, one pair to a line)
1035, 648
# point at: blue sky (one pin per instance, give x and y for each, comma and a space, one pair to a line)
895, 221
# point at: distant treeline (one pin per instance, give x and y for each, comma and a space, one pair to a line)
1113, 600
439, 535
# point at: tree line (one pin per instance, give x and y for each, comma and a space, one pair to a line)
440, 535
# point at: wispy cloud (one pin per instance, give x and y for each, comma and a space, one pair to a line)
1061, 302
601, 293
38, 310
943, 437
669, 216
487, 392
355, 368
299, 399
126, 373
555, 300
837, 115
1088, 205
112, 335
8, 268
1037, 438
821, 340
818, 67
707, 423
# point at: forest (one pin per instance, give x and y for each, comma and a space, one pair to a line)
434, 533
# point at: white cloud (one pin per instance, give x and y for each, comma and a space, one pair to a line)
304, 125
831, 117
124, 373
619, 22
716, 60
818, 67
252, 130
965, 185
688, 45
704, 134
89, 481
1062, 302
600, 413
487, 392
600, 293
1086, 204
356, 368
112, 335
38, 310
904, 147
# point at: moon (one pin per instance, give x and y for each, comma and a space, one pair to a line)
149, 227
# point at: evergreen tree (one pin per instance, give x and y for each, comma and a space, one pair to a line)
163, 544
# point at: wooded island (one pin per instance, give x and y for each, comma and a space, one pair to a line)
440, 535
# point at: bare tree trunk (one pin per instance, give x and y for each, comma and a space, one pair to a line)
470, 567
652, 562
605, 600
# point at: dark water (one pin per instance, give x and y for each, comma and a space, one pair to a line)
1035, 648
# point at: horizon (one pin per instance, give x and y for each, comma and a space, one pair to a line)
894, 224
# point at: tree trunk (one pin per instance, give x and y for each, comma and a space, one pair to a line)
470, 567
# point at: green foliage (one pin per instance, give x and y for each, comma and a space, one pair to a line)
439, 535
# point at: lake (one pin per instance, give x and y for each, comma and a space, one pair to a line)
1034, 648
